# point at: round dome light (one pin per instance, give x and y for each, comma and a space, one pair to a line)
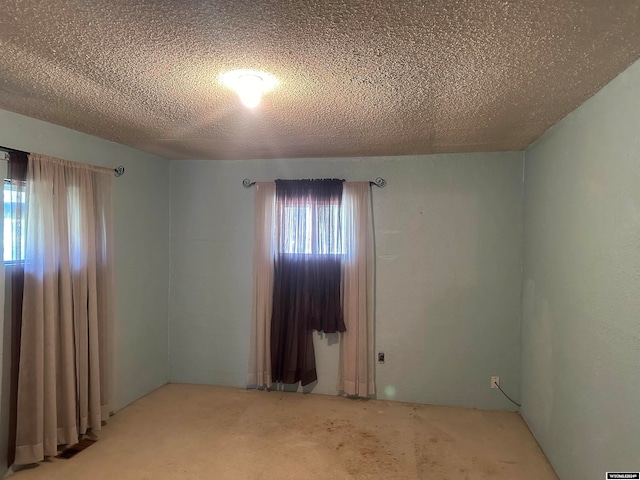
250, 85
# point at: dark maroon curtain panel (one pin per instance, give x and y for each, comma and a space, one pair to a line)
306, 291
17, 175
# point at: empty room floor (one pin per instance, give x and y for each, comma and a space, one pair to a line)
204, 432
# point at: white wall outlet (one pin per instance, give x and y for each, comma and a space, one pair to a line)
495, 381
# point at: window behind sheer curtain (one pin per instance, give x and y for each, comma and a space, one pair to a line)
309, 217
13, 239
299, 225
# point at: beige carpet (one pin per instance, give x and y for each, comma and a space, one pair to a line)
214, 433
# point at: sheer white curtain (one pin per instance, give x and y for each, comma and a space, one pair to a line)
259, 374
63, 384
356, 375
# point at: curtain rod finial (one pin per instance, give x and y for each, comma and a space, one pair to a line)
119, 171
380, 182
246, 183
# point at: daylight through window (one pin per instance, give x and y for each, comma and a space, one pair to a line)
13, 202
312, 229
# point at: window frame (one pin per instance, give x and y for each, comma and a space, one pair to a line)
11, 236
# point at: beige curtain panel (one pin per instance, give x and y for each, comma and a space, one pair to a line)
63, 385
259, 374
356, 374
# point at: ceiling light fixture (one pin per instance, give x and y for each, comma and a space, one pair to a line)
250, 85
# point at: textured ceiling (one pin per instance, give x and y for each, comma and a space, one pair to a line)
356, 77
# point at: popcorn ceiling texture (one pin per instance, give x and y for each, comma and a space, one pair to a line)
356, 78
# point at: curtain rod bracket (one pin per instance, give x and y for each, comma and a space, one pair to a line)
119, 171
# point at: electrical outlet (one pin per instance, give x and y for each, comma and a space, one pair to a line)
495, 381
381, 357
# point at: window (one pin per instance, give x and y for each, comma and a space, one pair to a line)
312, 229
14, 196
308, 218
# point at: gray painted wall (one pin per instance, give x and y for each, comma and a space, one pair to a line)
448, 237
581, 309
141, 205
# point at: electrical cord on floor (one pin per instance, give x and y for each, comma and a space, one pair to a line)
503, 392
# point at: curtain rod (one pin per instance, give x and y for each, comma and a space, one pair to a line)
118, 171
378, 182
